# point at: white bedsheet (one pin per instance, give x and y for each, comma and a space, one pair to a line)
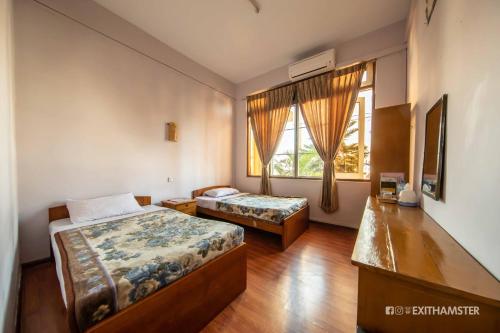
65, 224
211, 203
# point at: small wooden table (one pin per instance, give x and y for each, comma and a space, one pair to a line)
413, 275
187, 206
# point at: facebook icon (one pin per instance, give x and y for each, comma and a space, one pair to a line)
389, 310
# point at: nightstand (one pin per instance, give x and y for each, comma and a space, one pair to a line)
187, 206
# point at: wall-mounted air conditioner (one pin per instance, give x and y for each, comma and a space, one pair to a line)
317, 64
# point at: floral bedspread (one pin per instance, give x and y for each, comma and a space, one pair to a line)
264, 207
114, 264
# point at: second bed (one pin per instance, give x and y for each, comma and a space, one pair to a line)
287, 217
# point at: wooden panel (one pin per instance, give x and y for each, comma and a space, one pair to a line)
294, 226
144, 200
61, 212
189, 303
390, 143
189, 210
58, 213
406, 243
240, 219
377, 291
186, 205
199, 192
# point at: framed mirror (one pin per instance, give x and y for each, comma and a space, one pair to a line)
432, 170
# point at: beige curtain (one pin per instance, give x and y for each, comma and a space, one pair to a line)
326, 103
268, 112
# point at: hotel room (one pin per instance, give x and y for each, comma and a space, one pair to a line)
249, 166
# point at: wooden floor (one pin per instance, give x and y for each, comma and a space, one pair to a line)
311, 287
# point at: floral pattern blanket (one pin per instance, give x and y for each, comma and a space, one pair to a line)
109, 266
264, 207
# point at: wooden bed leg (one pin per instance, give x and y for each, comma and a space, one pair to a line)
294, 227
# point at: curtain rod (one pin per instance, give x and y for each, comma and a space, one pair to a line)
281, 85
372, 59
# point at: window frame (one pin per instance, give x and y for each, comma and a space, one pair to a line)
350, 176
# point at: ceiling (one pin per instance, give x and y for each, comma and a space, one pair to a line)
231, 39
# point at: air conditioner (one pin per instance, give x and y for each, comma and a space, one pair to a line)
316, 64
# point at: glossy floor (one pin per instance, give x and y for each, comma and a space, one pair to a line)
311, 287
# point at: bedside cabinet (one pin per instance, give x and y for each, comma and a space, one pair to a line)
187, 206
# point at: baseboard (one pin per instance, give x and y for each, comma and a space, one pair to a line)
334, 220
35, 262
333, 224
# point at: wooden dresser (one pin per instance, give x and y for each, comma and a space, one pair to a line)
414, 277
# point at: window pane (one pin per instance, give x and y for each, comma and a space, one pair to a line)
287, 143
305, 142
290, 122
310, 165
347, 160
254, 164
301, 120
282, 165
309, 162
367, 78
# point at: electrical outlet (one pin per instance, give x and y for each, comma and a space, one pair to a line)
170, 180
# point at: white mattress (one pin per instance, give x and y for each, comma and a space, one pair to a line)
65, 224
211, 203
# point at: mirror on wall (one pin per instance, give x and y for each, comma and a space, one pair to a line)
432, 171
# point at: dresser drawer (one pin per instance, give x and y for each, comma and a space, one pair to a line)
188, 207
191, 210
184, 206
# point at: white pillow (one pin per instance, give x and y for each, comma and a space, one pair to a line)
98, 208
220, 192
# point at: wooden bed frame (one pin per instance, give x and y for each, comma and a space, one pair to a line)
289, 230
186, 305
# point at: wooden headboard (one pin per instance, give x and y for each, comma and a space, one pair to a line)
199, 192
61, 212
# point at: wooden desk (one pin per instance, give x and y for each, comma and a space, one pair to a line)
407, 261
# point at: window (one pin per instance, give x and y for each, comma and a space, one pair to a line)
296, 157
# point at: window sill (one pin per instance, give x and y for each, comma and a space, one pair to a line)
356, 180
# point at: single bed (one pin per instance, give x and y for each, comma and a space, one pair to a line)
150, 271
284, 216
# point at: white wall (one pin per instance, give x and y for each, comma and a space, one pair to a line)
9, 262
99, 18
458, 54
90, 121
386, 44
